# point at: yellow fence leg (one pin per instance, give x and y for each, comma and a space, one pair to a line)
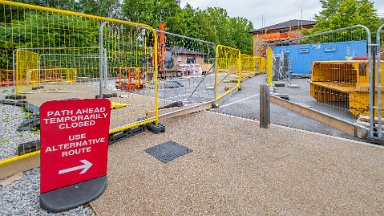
269, 65
239, 72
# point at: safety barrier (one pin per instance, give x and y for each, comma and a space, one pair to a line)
56, 55
26, 62
328, 72
36, 66
376, 97
261, 64
252, 65
6, 77
228, 76
55, 75
128, 62
53, 54
269, 65
186, 71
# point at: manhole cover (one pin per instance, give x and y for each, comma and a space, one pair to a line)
168, 151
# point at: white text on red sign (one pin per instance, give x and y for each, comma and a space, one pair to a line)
67, 119
77, 144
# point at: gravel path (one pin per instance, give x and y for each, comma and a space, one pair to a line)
10, 119
22, 198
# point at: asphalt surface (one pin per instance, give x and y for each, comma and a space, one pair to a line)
245, 104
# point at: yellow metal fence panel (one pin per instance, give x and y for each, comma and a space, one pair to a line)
130, 73
263, 65
6, 77
269, 65
187, 71
338, 79
252, 65
56, 75
27, 64
228, 74
248, 65
50, 54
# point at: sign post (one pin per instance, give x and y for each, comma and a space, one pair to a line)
73, 156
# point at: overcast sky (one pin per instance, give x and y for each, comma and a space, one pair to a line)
273, 11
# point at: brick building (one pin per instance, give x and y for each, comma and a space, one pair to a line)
281, 31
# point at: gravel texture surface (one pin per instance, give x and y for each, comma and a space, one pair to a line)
22, 198
10, 138
237, 168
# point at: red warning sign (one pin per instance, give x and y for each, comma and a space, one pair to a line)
74, 142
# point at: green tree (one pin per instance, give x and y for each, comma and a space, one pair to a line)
212, 24
60, 4
150, 11
219, 20
240, 28
8, 13
27, 33
343, 13
204, 22
183, 23
193, 23
96, 7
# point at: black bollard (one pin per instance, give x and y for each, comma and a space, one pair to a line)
265, 119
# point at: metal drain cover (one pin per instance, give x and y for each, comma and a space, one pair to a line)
168, 151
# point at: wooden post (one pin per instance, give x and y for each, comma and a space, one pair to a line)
265, 119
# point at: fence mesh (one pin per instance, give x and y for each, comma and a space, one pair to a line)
252, 65
130, 72
55, 67
186, 71
49, 54
228, 78
328, 72
376, 115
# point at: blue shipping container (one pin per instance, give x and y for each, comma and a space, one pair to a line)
302, 56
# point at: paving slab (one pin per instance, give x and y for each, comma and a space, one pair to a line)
237, 168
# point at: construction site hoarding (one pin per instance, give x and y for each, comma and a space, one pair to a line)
302, 56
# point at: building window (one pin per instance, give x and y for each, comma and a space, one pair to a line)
191, 60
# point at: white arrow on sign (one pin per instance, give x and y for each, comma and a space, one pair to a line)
85, 167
